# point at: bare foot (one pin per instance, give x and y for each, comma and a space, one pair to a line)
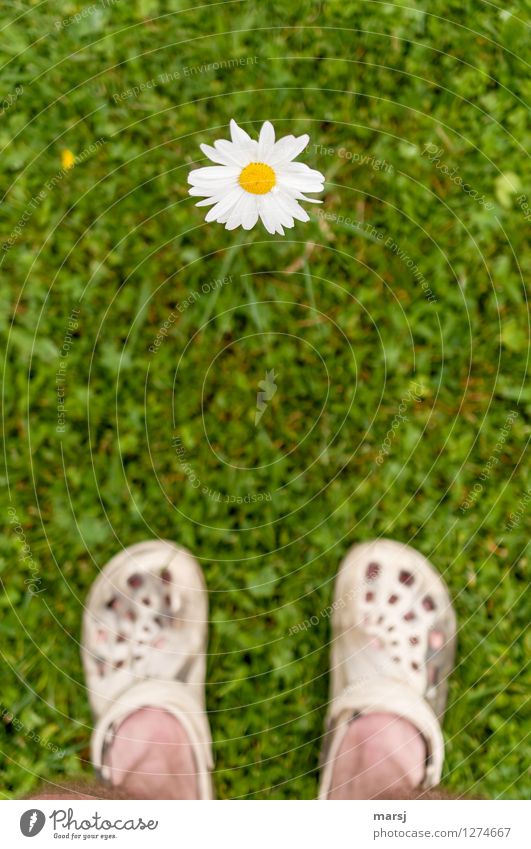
382, 756
151, 757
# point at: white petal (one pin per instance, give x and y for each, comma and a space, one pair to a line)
243, 141
283, 217
300, 196
215, 197
295, 184
299, 168
235, 218
216, 155
239, 136
225, 205
265, 215
290, 205
266, 142
213, 173
195, 191
215, 189
287, 149
281, 213
269, 213
207, 201
237, 155
225, 217
249, 212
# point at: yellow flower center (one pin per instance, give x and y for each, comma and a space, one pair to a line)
257, 178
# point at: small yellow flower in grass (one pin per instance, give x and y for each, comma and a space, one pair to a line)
68, 160
255, 179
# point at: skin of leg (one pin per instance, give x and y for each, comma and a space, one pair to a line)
382, 756
77, 790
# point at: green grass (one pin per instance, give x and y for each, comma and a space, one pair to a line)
335, 312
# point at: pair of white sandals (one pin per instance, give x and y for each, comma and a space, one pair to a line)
144, 644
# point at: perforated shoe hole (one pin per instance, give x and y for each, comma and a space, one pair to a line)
406, 578
373, 570
135, 581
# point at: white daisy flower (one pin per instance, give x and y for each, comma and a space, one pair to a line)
255, 179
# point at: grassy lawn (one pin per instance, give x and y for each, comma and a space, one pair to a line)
403, 296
